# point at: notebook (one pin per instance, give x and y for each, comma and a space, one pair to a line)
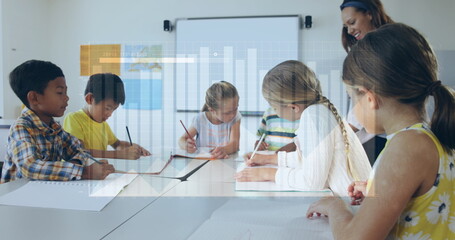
265, 186
148, 165
90, 195
241, 156
202, 153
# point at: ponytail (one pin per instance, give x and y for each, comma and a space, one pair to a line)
443, 120
396, 61
205, 108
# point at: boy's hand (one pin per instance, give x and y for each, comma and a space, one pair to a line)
132, 152
262, 147
190, 145
256, 175
219, 153
291, 147
259, 159
98, 171
142, 150
357, 192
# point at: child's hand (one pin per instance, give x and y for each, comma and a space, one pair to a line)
324, 206
291, 147
219, 153
258, 159
142, 150
132, 152
256, 175
357, 192
98, 171
263, 146
190, 145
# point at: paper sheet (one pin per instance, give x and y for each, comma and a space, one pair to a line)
91, 195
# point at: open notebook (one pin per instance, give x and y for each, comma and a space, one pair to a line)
259, 186
91, 195
148, 165
265, 186
202, 153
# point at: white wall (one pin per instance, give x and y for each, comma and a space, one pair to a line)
1, 60
54, 29
434, 19
26, 34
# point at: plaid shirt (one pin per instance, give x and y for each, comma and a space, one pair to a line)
40, 152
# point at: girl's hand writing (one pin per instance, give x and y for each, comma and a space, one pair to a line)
190, 145
256, 175
259, 159
219, 153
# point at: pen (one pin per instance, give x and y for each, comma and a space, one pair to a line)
97, 161
93, 159
257, 146
186, 130
129, 136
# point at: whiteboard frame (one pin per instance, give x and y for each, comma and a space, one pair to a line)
244, 113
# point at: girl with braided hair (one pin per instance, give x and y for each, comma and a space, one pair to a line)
328, 155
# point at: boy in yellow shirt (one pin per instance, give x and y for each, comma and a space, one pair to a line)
103, 94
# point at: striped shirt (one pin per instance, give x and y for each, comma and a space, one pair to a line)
40, 152
279, 132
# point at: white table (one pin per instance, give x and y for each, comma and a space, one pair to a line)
184, 208
45, 223
157, 207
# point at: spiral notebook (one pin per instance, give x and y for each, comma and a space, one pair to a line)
90, 195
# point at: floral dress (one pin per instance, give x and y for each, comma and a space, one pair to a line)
431, 215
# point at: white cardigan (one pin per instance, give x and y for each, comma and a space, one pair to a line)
320, 160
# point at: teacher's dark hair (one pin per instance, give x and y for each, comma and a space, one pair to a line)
372, 7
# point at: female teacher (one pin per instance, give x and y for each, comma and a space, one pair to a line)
360, 17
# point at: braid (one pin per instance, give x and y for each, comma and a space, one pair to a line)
344, 132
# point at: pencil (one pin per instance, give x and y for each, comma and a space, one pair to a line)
186, 130
257, 146
129, 136
97, 161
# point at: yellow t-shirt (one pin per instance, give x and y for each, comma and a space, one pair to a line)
95, 135
431, 215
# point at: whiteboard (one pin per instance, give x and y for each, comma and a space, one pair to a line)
239, 50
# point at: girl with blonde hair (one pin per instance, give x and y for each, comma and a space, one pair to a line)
328, 155
218, 125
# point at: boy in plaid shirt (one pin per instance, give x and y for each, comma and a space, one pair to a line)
38, 148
